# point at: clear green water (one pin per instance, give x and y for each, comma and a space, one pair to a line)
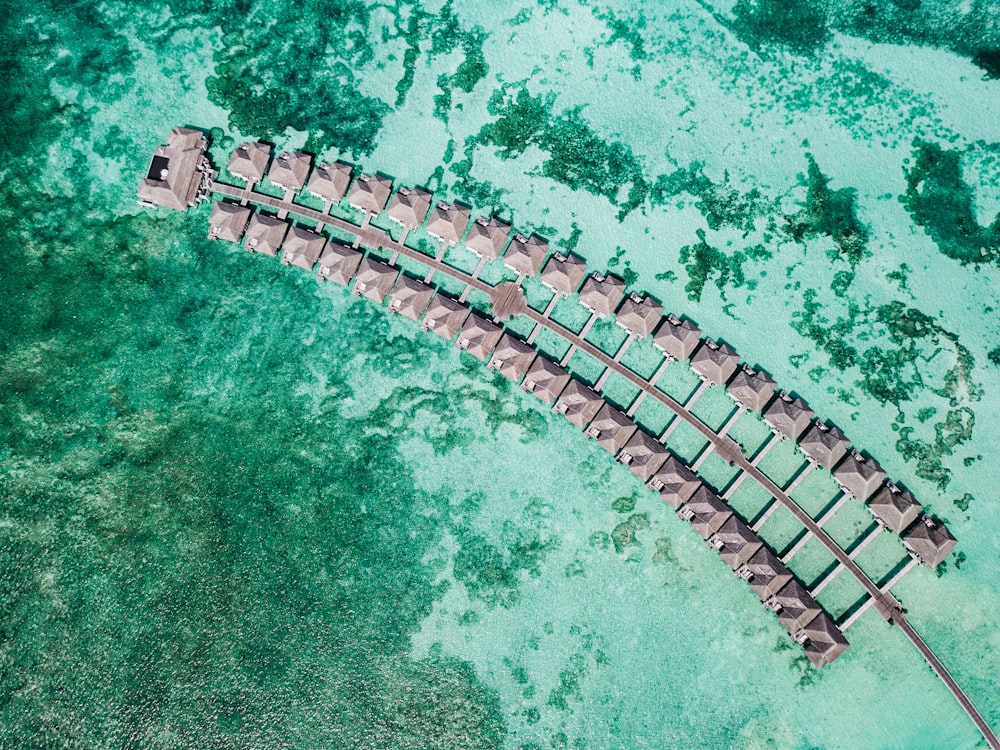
241, 510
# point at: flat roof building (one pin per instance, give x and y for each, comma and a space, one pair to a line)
822, 640
448, 222
677, 338
578, 403
674, 482
249, 161
788, 417
228, 221
715, 362
643, 454
859, 476
824, 444
175, 171
370, 192
338, 263
375, 280
895, 507
751, 389
409, 207
479, 336
705, 511
563, 273
524, 255
265, 234
765, 574
302, 248
639, 315
601, 294
329, 182
611, 429
545, 379
290, 169
736, 542
487, 237
410, 298
929, 541
512, 358
794, 606
444, 316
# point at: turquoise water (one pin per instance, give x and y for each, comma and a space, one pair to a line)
238, 509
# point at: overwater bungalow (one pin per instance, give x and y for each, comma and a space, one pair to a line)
794, 606
410, 298
265, 234
479, 336
448, 222
302, 248
674, 482
765, 574
611, 429
643, 454
894, 507
705, 511
228, 221
601, 294
329, 182
175, 171
512, 357
249, 161
788, 417
859, 476
546, 380
929, 541
409, 207
577, 402
677, 338
639, 315
524, 255
338, 263
822, 640
444, 316
824, 444
375, 280
290, 169
736, 542
563, 273
714, 362
487, 237
370, 193
752, 389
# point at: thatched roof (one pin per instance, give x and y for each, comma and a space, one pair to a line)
375, 280
715, 362
249, 161
302, 248
265, 234
601, 294
643, 454
611, 429
545, 379
794, 606
370, 192
338, 263
410, 298
788, 417
175, 171
448, 222
563, 273
577, 402
525, 254
751, 388
929, 541
677, 338
329, 181
705, 511
674, 482
409, 207
859, 476
479, 336
487, 237
228, 221
639, 315
823, 641
290, 169
444, 316
895, 507
736, 542
824, 444
512, 357
765, 574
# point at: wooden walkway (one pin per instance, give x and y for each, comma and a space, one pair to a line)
507, 300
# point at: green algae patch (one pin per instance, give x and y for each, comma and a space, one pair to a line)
799, 26
940, 201
721, 204
704, 263
829, 213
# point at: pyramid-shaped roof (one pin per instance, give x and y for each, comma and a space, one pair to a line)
374, 280
765, 574
409, 207
859, 476
677, 338
512, 357
329, 181
563, 273
479, 336
611, 429
524, 255
487, 237
705, 511
290, 169
410, 298
794, 606
578, 403
228, 221
895, 507
736, 542
674, 482
788, 417
824, 641
265, 234
302, 248
338, 263
370, 192
643, 454
824, 444
715, 362
639, 315
929, 541
175, 170
751, 388
249, 161
444, 316
601, 294
448, 222
545, 379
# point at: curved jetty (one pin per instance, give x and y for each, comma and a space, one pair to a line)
180, 176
